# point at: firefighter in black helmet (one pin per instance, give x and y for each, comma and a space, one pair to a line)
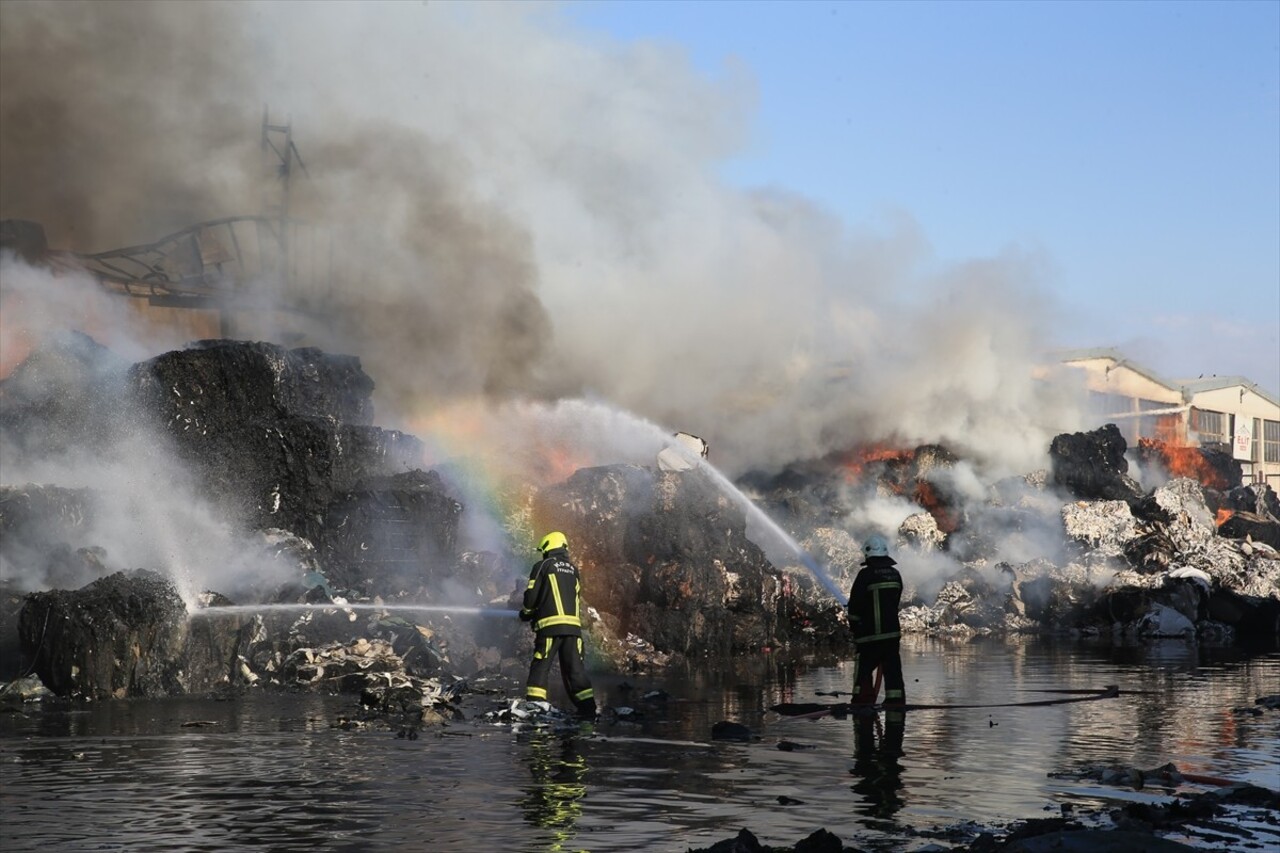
552, 604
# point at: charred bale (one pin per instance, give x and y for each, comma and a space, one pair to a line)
391, 534
804, 494
821, 492
273, 434
1053, 598
1247, 525
1255, 620
1257, 498
1091, 465
971, 600
124, 635
1175, 607
62, 399
213, 380
1213, 468
665, 557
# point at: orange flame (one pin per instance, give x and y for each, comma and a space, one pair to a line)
559, 463
854, 462
927, 496
1223, 515
1184, 461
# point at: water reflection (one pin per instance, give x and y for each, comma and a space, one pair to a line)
877, 750
274, 772
553, 799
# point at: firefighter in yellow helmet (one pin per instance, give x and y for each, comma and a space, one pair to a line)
552, 604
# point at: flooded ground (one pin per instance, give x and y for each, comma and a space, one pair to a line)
275, 772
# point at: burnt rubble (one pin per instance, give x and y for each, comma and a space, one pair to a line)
348, 530
1092, 465
666, 558
340, 516
273, 434
122, 635
1184, 559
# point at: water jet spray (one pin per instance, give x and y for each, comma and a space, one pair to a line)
753, 511
417, 608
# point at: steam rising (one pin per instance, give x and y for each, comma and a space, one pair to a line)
523, 212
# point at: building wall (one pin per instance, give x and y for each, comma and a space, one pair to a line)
1140, 405
1238, 402
1143, 406
1104, 375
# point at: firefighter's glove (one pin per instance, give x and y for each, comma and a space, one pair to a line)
526, 615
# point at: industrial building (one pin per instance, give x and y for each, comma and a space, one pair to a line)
1226, 413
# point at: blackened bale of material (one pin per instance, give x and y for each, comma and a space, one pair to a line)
1256, 620
208, 379
1257, 498
1091, 465
665, 557
273, 434
390, 534
125, 635
1247, 525
1215, 469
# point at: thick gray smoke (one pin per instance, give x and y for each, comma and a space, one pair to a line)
525, 210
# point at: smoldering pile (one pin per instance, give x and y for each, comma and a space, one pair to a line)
227, 516
1080, 547
286, 494
256, 477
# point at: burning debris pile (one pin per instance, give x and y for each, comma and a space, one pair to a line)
1081, 547
668, 558
257, 477
283, 518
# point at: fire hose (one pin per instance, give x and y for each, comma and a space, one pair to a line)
813, 710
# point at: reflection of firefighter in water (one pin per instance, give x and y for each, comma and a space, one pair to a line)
553, 800
876, 750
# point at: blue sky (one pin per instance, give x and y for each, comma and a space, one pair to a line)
1136, 145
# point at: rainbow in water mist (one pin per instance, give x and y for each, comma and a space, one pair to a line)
487, 448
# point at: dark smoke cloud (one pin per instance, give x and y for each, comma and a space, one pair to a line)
120, 122
521, 209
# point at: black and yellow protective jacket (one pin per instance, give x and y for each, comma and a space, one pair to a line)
551, 600
873, 601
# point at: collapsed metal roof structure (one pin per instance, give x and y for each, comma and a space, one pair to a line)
233, 263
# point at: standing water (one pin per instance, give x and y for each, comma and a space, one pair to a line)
277, 771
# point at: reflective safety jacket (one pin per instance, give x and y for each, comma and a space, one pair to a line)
551, 598
873, 601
